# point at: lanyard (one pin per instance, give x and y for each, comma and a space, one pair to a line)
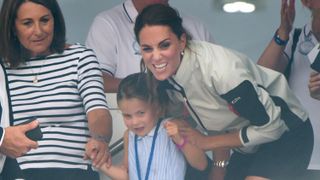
151, 152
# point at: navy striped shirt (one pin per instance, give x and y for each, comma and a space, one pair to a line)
69, 86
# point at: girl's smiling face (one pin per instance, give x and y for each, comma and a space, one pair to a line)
139, 116
161, 50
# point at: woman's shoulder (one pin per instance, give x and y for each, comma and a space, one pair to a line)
77, 48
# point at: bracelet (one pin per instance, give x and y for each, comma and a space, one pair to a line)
278, 40
221, 164
101, 138
184, 142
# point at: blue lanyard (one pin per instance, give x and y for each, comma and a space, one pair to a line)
151, 152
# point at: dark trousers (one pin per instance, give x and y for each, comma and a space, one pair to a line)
11, 171
195, 174
284, 159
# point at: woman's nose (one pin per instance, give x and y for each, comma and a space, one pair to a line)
156, 55
38, 30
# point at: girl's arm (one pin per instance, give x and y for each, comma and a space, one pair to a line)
118, 172
115, 172
193, 154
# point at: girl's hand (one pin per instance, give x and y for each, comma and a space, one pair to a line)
98, 152
287, 18
173, 131
314, 85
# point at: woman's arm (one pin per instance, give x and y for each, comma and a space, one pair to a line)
100, 127
220, 161
194, 155
213, 142
273, 56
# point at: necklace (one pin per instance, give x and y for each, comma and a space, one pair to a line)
35, 79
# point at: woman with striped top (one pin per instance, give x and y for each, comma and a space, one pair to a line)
153, 147
59, 84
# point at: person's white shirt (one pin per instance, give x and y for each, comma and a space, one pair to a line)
112, 38
298, 81
5, 115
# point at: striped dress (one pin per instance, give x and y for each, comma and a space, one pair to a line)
168, 162
68, 86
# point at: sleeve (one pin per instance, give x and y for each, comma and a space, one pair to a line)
101, 38
2, 132
90, 82
288, 48
249, 100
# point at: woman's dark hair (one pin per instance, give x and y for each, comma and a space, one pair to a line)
136, 86
159, 14
11, 49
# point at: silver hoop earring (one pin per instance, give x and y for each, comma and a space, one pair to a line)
182, 53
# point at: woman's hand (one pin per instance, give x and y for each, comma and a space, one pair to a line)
287, 18
314, 85
15, 143
194, 136
98, 152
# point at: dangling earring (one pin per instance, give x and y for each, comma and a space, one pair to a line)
181, 55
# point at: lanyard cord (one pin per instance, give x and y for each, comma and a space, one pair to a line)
151, 152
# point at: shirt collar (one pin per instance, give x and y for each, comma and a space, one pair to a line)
307, 30
151, 133
130, 11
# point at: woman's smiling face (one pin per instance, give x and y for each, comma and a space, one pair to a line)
161, 50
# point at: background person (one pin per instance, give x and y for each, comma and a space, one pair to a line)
249, 108
61, 85
111, 37
281, 56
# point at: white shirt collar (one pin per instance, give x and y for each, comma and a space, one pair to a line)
130, 11
151, 133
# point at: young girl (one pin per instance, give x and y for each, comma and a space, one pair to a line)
153, 147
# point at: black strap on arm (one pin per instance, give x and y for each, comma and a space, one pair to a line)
296, 34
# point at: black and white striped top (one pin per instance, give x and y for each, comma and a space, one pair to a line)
69, 86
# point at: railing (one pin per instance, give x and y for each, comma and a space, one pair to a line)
116, 147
